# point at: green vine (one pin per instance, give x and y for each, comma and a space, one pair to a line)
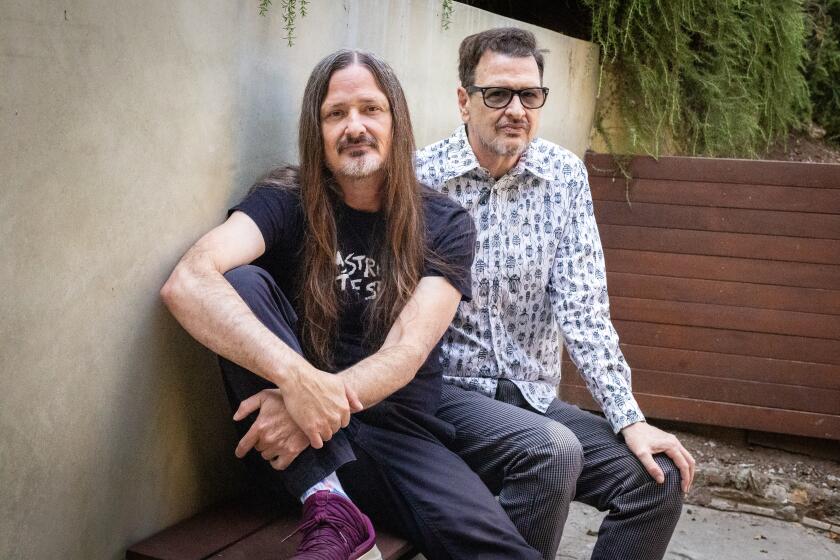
290, 9
700, 77
823, 67
446, 10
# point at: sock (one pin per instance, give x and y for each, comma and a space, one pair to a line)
330, 483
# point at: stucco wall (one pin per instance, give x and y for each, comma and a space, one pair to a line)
127, 128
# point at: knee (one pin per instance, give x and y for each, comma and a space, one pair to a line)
669, 495
562, 456
248, 280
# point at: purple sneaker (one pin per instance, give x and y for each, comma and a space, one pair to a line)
334, 529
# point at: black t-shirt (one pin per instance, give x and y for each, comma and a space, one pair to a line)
450, 234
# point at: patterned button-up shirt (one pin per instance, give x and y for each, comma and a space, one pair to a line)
538, 273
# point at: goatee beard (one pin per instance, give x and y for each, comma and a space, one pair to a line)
360, 167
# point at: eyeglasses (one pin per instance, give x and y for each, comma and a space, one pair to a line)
500, 97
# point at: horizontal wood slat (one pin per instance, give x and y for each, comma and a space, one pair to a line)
268, 544
725, 341
722, 244
724, 414
756, 393
246, 529
724, 281
733, 366
265, 544
723, 195
204, 534
719, 170
745, 319
734, 220
783, 298
804, 275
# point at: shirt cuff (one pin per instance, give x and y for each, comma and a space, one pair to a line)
630, 413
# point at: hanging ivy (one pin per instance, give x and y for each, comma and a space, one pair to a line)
291, 9
701, 77
822, 70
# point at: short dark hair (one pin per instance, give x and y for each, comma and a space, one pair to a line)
510, 41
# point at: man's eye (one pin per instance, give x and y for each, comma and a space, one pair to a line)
529, 94
496, 94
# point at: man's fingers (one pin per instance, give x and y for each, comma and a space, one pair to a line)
249, 405
315, 439
681, 463
688, 478
248, 441
652, 468
352, 398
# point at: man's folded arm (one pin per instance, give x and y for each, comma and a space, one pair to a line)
209, 308
414, 334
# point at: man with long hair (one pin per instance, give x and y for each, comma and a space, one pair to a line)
539, 280
329, 340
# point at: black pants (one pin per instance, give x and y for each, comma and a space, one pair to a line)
538, 463
392, 461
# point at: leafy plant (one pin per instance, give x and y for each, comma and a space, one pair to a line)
710, 77
823, 68
289, 10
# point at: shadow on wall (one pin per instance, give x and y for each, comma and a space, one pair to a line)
182, 417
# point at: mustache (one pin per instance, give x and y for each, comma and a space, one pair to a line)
524, 125
364, 140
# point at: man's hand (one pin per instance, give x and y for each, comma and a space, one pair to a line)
274, 434
645, 441
320, 403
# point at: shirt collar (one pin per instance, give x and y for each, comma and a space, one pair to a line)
461, 158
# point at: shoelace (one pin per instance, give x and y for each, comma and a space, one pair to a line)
327, 534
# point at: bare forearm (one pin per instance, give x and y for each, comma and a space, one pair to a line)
209, 308
378, 376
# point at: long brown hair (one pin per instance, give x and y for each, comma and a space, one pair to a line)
401, 252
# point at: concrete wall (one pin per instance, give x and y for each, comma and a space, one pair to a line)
127, 128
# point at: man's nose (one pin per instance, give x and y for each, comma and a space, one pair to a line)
515, 110
355, 126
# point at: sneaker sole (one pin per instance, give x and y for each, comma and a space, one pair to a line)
372, 554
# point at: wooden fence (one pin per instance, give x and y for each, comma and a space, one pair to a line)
724, 280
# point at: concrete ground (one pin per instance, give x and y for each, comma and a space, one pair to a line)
708, 534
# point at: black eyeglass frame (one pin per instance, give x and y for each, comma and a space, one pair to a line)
516, 92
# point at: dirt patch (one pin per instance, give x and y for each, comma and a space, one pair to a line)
804, 147
771, 482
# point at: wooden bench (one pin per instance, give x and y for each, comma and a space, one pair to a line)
240, 530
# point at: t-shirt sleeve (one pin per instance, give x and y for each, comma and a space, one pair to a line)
452, 244
274, 211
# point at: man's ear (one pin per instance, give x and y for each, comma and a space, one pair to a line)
463, 104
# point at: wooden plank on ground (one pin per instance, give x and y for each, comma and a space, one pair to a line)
719, 170
734, 220
784, 298
755, 393
824, 276
733, 366
747, 319
721, 244
724, 195
723, 414
724, 341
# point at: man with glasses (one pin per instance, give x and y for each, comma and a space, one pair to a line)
539, 274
